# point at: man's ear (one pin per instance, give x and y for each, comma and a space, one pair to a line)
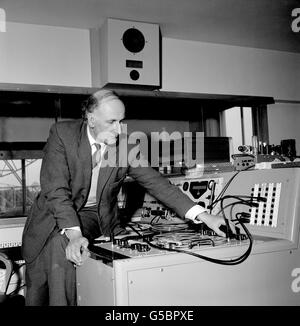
91, 120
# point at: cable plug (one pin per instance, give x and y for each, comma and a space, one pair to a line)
263, 199
245, 217
244, 220
245, 214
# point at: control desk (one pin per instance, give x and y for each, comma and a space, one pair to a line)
164, 260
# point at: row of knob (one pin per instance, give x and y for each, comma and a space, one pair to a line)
129, 244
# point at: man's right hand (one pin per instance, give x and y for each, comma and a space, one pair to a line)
76, 250
214, 222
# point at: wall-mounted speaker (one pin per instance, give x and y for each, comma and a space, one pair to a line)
126, 53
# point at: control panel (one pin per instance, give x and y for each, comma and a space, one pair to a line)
265, 198
184, 263
203, 191
162, 239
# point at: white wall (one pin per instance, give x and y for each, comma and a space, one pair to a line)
284, 123
223, 69
36, 54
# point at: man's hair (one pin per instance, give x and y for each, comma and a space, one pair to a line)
95, 100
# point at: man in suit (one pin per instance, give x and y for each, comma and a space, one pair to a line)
78, 199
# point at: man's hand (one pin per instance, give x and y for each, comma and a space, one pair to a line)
214, 222
76, 250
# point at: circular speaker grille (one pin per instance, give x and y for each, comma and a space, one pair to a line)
134, 75
133, 40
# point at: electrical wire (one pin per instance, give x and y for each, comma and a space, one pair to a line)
241, 199
154, 218
234, 261
213, 204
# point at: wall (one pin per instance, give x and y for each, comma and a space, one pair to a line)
36, 54
223, 69
284, 122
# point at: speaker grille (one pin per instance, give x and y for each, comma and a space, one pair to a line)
125, 54
133, 40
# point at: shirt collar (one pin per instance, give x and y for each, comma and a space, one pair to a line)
92, 140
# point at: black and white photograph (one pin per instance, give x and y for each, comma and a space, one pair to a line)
150, 156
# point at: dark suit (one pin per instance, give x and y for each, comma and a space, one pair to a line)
65, 181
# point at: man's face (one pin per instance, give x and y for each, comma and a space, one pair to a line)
106, 121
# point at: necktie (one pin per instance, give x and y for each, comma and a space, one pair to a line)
97, 155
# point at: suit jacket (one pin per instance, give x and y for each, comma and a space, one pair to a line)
65, 181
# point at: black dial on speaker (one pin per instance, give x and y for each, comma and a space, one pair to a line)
133, 40
134, 75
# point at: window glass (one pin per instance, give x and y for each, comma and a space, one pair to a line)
238, 125
12, 192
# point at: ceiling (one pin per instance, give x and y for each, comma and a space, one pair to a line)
251, 23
